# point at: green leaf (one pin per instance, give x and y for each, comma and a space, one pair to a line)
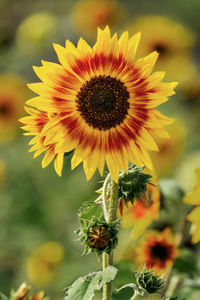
84, 287
89, 210
187, 262
3, 297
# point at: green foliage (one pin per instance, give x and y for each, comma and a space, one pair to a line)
94, 232
3, 297
84, 287
133, 184
187, 262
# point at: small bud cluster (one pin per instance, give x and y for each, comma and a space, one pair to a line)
94, 232
133, 184
147, 281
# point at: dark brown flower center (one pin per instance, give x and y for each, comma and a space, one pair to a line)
160, 252
99, 237
4, 110
103, 102
161, 49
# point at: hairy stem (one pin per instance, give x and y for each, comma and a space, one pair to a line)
112, 216
104, 196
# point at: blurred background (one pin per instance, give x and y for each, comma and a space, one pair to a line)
38, 210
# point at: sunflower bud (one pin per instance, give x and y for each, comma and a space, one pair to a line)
147, 281
94, 232
21, 292
133, 184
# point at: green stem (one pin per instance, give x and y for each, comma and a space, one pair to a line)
135, 295
112, 216
104, 196
173, 285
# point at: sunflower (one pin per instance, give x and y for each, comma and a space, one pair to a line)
172, 40
43, 263
102, 102
156, 250
191, 94
12, 96
170, 150
185, 174
141, 214
87, 15
193, 198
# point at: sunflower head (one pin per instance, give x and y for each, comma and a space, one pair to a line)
157, 250
13, 93
43, 262
87, 15
99, 102
172, 40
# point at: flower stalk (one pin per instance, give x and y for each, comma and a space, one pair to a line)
107, 259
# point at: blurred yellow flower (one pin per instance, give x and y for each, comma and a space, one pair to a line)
193, 198
172, 40
170, 150
13, 93
35, 32
43, 262
156, 250
191, 91
141, 214
184, 174
21, 292
38, 296
87, 15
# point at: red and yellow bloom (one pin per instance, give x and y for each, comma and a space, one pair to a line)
103, 104
171, 39
87, 15
156, 250
12, 96
43, 263
141, 214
